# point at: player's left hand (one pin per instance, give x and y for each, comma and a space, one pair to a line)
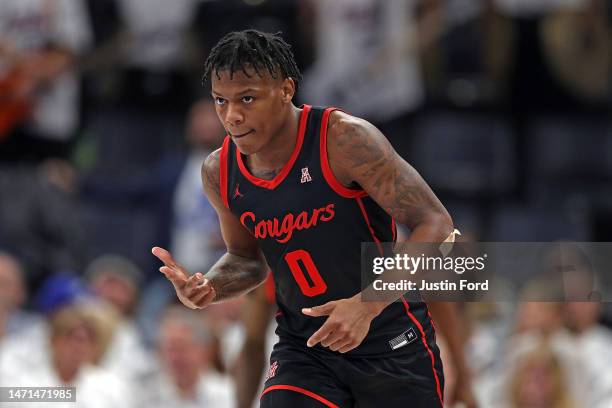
347, 325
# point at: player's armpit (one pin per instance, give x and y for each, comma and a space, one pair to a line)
360, 154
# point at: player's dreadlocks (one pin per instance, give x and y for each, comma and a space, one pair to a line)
241, 50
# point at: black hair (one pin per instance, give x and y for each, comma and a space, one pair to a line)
252, 49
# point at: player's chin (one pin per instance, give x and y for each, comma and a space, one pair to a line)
247, 147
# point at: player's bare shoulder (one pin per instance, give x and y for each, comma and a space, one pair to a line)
355, 147
210, 174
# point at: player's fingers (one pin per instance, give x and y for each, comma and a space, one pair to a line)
332, 338
322, 310
348, 347
177, 280
199, 292
192, 283
164, 256
340, 343
207, 299
320, 334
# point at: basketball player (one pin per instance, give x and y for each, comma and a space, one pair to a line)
297, 190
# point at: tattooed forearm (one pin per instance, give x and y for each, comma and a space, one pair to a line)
210, 171
234, 275
410, 196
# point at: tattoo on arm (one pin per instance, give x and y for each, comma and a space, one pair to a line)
234, 275
367, 158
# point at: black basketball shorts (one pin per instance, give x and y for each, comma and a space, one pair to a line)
301, 377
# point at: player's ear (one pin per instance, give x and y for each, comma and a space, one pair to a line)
288, 89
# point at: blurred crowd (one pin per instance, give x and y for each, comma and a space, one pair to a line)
504, 107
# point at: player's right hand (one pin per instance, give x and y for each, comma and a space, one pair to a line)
193, 291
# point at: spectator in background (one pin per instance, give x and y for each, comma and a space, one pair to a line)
373, 72
587, 345
535, 323
195, 235
29, 350
40, 224
158, 58
224, 321
186, 378
40, 42
370, 72
76, 341
191, 222
14, 321
540, 381
154, 64
117, 281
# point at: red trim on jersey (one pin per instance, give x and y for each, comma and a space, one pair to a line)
394, 229
223, 171
272, 184
328, 174
301, 391
367, 220
431, 356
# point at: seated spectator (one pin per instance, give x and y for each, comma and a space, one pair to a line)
117, 280
75, 342
13, 319
29, 348
539, 381
186, 378
587, 345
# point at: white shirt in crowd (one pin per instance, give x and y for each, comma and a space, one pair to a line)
156, 31
95, 387
372, 71
212, 390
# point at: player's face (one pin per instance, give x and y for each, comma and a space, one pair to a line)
252, 109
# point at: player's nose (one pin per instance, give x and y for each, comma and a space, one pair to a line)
234, 116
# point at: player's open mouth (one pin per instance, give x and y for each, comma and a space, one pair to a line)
241, 135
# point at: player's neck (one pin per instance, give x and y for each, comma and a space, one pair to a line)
278, 151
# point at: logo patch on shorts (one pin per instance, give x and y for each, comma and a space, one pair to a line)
272, 370
403, 339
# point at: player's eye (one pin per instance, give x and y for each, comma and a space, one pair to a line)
219, 101
248, 99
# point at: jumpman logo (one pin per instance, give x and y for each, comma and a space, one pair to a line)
305, 176
237, 192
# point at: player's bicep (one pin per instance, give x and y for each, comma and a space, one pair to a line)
366, 157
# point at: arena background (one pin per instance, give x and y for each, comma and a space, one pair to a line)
502, 105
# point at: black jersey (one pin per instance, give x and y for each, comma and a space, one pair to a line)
310, 228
